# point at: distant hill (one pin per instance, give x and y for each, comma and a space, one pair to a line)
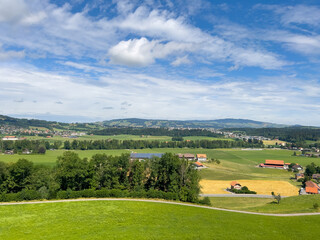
219, 123
26, 123
139, 123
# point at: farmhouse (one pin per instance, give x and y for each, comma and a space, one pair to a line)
299, 176
297, 167
12, 138
198, 165
235, 185
316, 176
187, 156
312, 188
275, 164
202, 157
143, 156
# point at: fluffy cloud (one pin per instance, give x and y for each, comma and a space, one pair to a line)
44, 28
142, 52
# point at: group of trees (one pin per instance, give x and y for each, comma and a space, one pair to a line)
140, 144
34, 146
40, 146
168, 176
157, 132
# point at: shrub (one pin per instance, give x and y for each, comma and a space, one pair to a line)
205, 201
316, 206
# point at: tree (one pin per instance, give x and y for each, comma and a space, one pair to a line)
42, 149
72, 172
276, 197
21, 172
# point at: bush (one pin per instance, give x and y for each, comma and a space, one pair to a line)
205, 201
316, 206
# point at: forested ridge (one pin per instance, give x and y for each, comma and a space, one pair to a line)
156, 132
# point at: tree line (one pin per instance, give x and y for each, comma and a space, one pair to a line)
288, 134
141, 144
102, 176
156, 132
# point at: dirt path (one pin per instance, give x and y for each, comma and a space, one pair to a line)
165, 202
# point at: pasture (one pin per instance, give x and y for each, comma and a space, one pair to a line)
141, 220
295, 204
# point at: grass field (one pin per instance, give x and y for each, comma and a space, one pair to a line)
139, 220
264, 187
50, 157
296, 204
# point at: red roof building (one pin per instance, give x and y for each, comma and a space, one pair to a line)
312, 188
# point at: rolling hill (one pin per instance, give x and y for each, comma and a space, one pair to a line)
219, 123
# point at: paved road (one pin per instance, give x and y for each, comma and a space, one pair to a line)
165, 202
239, 195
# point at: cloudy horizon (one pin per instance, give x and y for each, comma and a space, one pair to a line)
86, 61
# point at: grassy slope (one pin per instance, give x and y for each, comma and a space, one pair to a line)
297, 204
138, 220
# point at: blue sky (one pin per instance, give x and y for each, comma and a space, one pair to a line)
160, 59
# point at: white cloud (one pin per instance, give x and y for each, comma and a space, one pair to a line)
284, 99
301, 14
12, 10
142, 52
181, 60
5, 55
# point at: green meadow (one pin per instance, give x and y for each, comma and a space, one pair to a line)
141, 220
50, 157
296, 204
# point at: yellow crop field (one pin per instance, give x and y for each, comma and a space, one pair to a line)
273, 142
264, 187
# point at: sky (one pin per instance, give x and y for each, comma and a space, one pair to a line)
86, 61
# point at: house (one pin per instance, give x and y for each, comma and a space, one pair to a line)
297, 167
275, 164
316, 176
9, 152
299, 176
12, 138
26, 151
312, 188
235, 185
143, 156
187, 156
198, 165
202, 157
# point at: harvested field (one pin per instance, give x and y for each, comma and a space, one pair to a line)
264, 187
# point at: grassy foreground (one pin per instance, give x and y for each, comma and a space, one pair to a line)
140, 220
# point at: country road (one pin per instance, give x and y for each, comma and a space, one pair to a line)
163, 202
